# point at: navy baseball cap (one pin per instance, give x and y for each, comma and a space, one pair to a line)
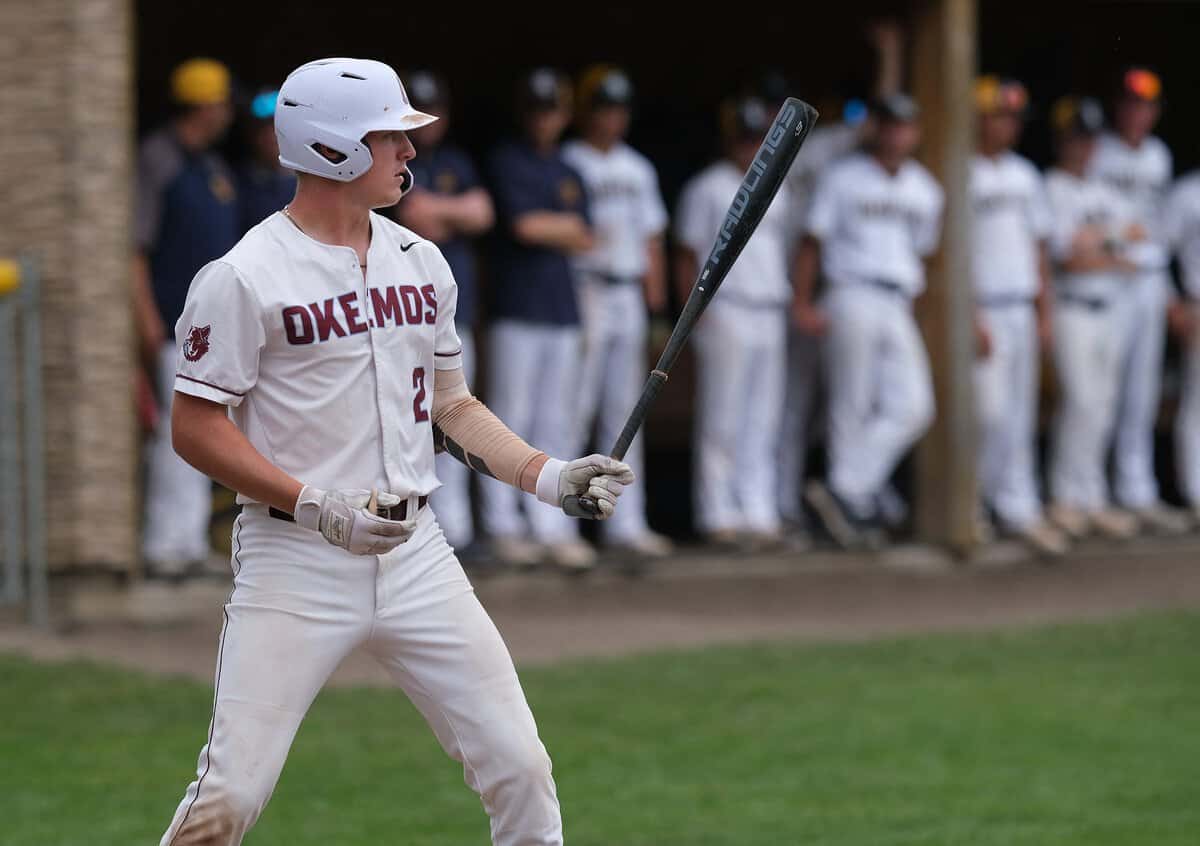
1077, 116
747, 117
543, 89
606, 87
426, 89
899, 108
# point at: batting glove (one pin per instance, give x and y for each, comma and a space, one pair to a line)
343, 519
598, 476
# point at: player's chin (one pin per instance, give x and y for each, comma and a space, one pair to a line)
388, 197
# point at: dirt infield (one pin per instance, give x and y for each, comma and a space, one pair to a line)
693, 600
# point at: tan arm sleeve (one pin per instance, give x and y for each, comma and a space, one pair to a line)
467, 429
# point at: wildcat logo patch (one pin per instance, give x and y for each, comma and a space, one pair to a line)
196, 344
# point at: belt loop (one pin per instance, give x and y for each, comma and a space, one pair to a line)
412, 506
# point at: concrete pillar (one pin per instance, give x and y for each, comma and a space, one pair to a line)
66, 132
943, 70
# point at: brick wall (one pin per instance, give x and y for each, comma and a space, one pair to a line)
66, 132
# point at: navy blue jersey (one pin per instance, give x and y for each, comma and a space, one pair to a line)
448, 170
262, 191
532, 284
187, 215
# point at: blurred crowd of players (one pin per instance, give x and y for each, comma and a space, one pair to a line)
812, 339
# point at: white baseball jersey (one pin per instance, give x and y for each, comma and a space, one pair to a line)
1142, 176
825, 144
1075, 203
760, 275
625, 204
876, 227
1182, 230
327, 373
1011, 218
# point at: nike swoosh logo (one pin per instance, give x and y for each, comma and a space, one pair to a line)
404, 248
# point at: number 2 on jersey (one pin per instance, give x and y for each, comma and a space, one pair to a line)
419, 413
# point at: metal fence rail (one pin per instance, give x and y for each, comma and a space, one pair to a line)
22, 440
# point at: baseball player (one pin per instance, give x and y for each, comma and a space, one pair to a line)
187, 215
535, 344
741, 344
449, 206
1137, 165
1010, 275
263, 185
828, 141
874, 218
318, 363
1088, 243
1182, 229
622, 275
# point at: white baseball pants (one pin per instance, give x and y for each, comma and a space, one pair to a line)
1187, 425
799, 417
741, 352
1143, 335
178, 496
1006, 394
298, 607
452, 501
614, 370
533, 373
1088, 359
880, 390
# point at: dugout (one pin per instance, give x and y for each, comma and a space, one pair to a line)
84, 77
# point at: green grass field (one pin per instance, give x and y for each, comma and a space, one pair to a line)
1068, 735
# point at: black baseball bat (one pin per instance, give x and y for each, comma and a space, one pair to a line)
759, 187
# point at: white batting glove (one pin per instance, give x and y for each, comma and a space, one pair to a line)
344, 520
598, 476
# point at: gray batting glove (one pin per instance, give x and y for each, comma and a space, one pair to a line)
598, 476
343, 519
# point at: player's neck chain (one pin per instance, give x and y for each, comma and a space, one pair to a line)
288, 214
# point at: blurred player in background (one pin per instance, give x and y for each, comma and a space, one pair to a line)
874, 219
829, 140
186, 216
1137, 165
741, 343
1010, 276
1089, 237
1182, 228
534, 343
448, 205
623, 275
264, 186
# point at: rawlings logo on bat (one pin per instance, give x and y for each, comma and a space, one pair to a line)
766, 153
196, 344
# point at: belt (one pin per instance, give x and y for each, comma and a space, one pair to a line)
1090, 303
394, 512
611, 278
1006, 301
886, 285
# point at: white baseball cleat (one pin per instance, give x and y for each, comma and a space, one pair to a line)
516, 552
1069, 520
648, 544
571, 555
1161, 519
1045, 539
1114, 524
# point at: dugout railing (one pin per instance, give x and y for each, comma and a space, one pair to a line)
23, 578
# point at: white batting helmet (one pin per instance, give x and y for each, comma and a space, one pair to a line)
336, 102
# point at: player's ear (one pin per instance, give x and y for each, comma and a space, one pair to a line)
330, 153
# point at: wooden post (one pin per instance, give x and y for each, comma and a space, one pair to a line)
943, 72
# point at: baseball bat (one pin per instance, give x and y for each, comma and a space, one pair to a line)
759, 187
